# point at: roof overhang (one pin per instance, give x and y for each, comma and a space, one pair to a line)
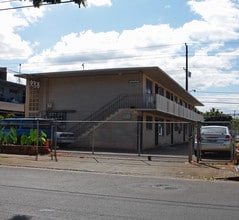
154, 73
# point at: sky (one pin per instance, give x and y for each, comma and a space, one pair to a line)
130, 33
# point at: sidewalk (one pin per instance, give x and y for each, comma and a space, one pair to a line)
125, 164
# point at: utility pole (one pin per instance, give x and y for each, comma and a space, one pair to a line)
186, 70
19, 71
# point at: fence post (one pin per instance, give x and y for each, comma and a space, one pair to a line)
55, 137
53, 140
232, 156
37, 141
190, 149
198, 142
93, 141
139, 134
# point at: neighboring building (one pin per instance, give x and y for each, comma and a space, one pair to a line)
12, 96
132, 94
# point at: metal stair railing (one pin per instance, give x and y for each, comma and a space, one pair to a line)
99, 115
121, 101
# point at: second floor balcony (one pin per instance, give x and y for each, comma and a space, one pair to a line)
161, 104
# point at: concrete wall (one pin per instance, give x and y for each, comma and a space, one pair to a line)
121, 132
86, 94
8, 106
169, 129
115, 134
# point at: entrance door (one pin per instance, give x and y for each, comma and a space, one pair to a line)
172, 126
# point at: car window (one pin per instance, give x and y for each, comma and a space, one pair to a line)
214, 130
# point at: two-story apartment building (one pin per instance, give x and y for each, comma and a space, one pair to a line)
158, 111
12, 96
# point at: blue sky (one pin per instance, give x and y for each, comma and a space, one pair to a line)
123, 33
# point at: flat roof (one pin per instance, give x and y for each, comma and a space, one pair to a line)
153, 72
12, 84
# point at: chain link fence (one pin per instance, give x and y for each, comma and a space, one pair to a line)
127, 136
131, 136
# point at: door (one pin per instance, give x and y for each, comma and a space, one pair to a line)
172, 132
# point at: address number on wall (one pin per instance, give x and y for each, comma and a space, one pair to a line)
34, 84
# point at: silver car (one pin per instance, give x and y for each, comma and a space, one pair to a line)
214, 139
64, 138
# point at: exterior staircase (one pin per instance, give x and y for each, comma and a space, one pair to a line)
110, 108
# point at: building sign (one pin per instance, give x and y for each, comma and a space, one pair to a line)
133, 81
35, 84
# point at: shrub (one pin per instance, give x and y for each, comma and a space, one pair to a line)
13, 135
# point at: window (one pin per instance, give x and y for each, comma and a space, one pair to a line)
149, 124
171, 96
149, 86
58, 115
168, 95
34, 101
13, 91
161, 91
161, 127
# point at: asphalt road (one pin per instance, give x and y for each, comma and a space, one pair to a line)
50, 194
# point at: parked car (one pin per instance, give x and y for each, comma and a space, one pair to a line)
214, 138
24, 125
64, 138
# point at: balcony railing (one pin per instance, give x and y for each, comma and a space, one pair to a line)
138, 101
160, 103
167, 106
9, 106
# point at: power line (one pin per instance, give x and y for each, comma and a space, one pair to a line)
233, 103
217, 92
98, 53
30, 6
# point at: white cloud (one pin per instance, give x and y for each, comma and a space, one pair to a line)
12, 46
33, 15
99, 3
211, 40
157, 45
219, 18
112, 49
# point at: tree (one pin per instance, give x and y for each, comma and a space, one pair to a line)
38, 3
235, 123
216, 115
